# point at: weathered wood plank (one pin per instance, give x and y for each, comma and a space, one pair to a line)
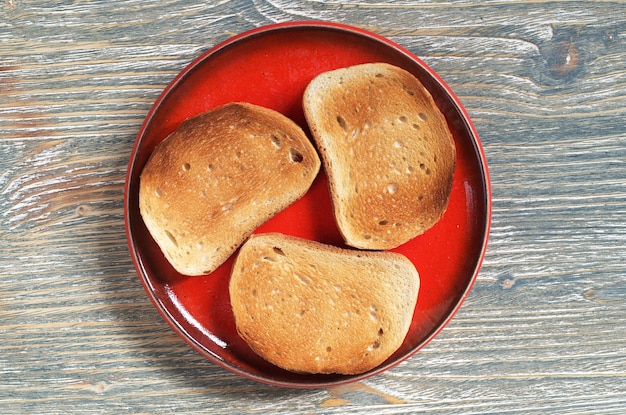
543, 330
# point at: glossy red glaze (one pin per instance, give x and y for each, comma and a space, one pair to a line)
271, 66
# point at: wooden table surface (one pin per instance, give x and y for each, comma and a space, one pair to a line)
543, 330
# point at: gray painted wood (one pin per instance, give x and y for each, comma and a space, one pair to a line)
544, 329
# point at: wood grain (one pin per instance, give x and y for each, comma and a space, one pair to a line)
543, 330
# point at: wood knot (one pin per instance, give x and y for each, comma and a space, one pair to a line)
507, 281
563, 59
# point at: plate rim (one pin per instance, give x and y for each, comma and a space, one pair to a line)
138, 261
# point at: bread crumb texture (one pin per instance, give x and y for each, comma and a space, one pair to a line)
314, 308
218, 177
387, 149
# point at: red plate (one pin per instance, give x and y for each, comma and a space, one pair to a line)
270, 66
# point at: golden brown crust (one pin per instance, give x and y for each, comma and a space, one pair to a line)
218, 177
387, 150
314, 308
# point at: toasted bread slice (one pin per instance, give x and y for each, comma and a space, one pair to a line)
218, 177
387, 150
313, 308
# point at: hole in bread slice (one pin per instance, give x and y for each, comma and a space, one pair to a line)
295, 156
276, 141
171, 237
342, 123
278, 251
